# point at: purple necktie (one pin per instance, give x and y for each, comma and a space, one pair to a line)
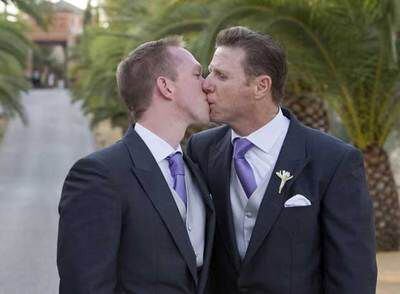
242, 167
177, 168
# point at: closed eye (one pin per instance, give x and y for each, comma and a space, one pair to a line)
220, 75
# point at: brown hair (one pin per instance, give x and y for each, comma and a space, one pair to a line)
263, 55
136, 74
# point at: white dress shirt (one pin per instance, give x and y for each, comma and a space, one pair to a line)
262, 157
193, 215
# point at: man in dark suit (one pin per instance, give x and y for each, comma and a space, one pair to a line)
136, 217
292, 206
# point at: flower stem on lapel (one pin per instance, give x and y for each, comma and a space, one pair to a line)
284, 176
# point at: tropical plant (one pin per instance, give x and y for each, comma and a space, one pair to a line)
14, 48
360, 70
33, 8
345, 52
102, 47
204, 22
348, 50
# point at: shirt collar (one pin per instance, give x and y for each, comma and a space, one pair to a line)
266, 136
158, 147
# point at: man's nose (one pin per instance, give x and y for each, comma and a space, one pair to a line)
208, 87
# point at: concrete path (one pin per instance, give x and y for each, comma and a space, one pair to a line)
388, 273
34, 161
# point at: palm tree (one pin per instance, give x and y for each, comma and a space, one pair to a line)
101, 48
203, 22
340, 50
360, 70
348, 49
32, 8
131, 23
13, 52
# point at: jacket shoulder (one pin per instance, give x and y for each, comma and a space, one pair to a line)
108, 157
210, 136
327, 146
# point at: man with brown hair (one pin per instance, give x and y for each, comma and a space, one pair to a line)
292, 206
136, 217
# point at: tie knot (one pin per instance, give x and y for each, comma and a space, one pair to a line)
176, 164
241, 146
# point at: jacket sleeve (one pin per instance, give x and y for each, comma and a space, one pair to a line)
348, 237
89, 230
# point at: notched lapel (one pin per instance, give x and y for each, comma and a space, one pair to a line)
272, 205
199, 179
292, 158
150, 177
210, 215
219, 170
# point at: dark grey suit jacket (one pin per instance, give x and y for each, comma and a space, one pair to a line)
120, 230
328, 247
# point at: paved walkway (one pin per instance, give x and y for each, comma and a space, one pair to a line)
33, 163
388, 273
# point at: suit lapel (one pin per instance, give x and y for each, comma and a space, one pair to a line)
199, 179
210, 215
149, 175
292, 158
219, 171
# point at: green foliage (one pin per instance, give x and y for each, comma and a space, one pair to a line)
129, 24
13, 55
94, 76
344, 51
339, 49
37, 9
13, 50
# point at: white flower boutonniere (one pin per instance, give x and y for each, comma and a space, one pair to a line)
284, 176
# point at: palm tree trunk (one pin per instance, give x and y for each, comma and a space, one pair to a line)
309, 109
382, 189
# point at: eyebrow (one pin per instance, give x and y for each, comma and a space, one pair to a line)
211, 68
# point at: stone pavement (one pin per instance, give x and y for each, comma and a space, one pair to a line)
388, 273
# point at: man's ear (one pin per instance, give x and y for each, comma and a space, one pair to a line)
166, 87
262, 86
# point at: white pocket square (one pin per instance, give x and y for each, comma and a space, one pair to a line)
297, 200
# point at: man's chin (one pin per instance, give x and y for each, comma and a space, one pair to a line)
205, 121
215, 119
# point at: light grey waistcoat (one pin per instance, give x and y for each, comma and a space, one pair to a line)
194, 216
244, 210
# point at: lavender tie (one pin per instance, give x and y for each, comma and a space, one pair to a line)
177, 169
242, 167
